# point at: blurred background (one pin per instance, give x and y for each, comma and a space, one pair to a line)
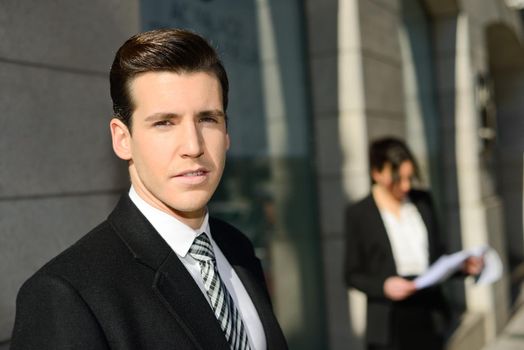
312, 82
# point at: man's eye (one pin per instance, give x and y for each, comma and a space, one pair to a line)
209, 120
162, 123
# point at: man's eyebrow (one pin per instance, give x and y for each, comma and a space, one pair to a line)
160, 116
168, 115
213, 112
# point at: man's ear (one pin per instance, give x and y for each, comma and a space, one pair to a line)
121, 138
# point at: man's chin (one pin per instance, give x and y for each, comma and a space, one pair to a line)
193, 209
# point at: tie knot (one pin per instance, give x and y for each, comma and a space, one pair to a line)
201, 249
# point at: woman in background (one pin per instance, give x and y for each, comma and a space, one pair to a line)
392, 237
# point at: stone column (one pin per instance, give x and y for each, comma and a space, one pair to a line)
58, 174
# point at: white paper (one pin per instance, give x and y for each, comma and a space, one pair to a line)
447, 265
492, 268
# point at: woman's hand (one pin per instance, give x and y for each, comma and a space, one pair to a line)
473, 265
397, 288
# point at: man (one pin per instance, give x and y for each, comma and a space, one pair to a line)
159, 273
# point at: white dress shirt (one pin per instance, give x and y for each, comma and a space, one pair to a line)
180, 237
408, 237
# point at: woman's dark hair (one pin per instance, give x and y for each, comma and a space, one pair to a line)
393, 151
173, 50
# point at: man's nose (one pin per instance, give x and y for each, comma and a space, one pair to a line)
192, 143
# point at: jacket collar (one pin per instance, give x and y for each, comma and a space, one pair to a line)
172, 282
245, 265
176, 288
138, 234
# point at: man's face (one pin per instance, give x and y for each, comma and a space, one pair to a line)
178, 143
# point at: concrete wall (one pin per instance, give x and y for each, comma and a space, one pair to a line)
323, 50
58, 176
356, 76
506, 66
472, 202
371, 76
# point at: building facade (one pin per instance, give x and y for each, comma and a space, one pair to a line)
312, 82
446, 76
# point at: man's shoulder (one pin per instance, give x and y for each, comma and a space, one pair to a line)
219, 225
224, 230
85, 258
227, 235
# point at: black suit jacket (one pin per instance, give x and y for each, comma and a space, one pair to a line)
122, 287
369, 260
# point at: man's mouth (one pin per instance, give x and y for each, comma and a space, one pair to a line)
194, 173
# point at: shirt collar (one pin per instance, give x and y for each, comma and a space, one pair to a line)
178, 235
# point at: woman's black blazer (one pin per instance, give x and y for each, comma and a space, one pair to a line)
369, 258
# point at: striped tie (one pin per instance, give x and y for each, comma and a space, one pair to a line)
221, 301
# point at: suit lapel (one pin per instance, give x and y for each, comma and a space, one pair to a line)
383, 239
172, 283
426, 213
179, 292
245, 270
274, 335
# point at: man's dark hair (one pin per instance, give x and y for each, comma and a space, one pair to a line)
172, 50
393, 151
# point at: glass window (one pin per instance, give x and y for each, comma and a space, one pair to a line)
268, 189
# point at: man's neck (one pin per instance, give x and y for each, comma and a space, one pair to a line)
191, 219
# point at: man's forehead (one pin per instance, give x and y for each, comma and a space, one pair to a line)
162, 93
158, 78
